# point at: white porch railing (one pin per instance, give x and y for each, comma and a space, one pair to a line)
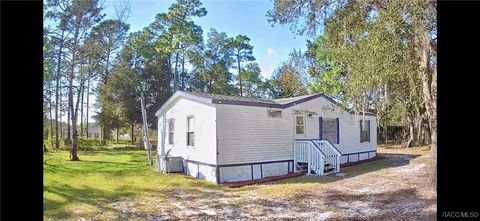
321, 156
332, 154
306, 151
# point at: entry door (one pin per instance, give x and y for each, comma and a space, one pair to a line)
299, 129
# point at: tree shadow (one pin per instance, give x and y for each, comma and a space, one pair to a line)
384, 161
400, 203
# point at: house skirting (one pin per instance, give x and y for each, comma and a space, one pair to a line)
201, 170
357, 157
237, 172
255, 171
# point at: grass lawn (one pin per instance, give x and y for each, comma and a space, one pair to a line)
79, 189
117, 185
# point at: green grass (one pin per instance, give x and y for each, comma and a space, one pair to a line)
87, 188
74, 189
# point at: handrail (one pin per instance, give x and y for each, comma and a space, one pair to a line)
318, 148
339, 152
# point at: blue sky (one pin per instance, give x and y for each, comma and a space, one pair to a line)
271, 44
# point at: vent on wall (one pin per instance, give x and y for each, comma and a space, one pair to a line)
274, 113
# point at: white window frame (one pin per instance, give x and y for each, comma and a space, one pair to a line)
171, 142
295, 127
188, 131
269, 112
324, 122
363, 125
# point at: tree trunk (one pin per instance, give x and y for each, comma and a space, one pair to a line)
50, 113
60, 111
429, 89
385, 105
411, 135
81, 112
175, 74
104, 141
385, 134
239, 74
69, 115
183, 73
132, 132
117, 134
57, 88
105, 81
73, 150
88, 93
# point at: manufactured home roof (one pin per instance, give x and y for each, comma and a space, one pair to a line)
227, 98
250, 101
291, 99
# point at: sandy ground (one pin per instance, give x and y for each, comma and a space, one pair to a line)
397, 192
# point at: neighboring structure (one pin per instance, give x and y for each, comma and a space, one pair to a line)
95, 132
227, 138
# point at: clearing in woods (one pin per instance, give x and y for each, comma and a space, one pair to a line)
117, 185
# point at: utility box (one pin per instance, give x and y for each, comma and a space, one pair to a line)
171, 164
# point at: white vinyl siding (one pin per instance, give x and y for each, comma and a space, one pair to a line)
246, 135
348, 123
204, 128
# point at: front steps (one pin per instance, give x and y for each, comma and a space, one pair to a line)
303, 168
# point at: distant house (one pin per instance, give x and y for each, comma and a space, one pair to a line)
228, 138
95, 132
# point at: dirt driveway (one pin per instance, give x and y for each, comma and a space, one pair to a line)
393, 188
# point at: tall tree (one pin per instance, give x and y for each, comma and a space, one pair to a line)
211, 68
287, 83
83, 15
58, 12
109, 36
175, 32
378, 33
328, 75
254, 84
141, 69
242, 52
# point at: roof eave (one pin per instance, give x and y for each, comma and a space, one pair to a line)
184, 95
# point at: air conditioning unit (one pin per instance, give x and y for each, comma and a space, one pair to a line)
170, 164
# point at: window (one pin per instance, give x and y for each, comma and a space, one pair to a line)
299, 125
364, 131
190, 131
274, 113
330, 130
171, 129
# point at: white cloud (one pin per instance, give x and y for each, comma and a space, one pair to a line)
270, 51
266, 70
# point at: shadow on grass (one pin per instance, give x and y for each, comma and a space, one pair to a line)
87, 195
385, 161
390, 204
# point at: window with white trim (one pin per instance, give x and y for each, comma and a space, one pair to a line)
190, 131
274, 113
364, 131
299, 124
171, 129
330, 129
